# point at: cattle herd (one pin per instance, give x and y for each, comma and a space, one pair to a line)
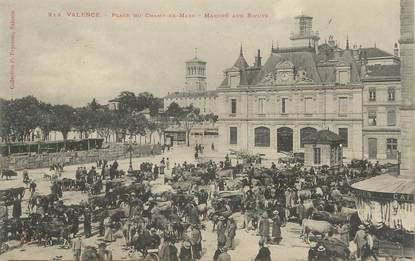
150, 206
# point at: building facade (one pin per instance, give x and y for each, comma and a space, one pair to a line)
271, 107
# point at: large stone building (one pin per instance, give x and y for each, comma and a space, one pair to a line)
407, 105
271, 107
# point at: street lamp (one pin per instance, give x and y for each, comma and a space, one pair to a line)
130, 150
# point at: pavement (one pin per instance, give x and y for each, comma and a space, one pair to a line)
290, 248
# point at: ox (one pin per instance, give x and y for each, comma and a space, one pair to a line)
315, 226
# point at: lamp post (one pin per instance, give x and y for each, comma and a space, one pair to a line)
130, 150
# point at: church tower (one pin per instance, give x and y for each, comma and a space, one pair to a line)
407, 109
303, 34
195, 75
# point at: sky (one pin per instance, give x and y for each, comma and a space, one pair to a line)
70, 60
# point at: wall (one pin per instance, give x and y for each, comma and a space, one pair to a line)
78, 157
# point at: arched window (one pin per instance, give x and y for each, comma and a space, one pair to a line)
305, 132
262, 137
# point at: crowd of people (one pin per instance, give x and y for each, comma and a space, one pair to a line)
152, 218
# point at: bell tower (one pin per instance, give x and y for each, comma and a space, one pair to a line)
195, 75
407, 109
303, 34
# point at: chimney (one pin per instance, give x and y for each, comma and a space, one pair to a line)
258, 59
396, 50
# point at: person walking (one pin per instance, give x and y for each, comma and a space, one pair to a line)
361, 241
221, 231
77, 248
263, 254
87, 223
263, 227
126, 228
231, 233
108, 236
196, 242
276, 228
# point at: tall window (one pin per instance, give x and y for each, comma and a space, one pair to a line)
317, 156
308, 105
391, 94
284, 105
261, 102
233, 135
342, 104
344, 133
233, 106
391, 118
304, 133
372, 94
262, 137
391, 148
372, 118
373, 148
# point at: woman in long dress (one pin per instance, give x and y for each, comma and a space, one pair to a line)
108, 236
276, 228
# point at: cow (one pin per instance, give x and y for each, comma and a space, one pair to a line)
304, 194
315, 226
8, 173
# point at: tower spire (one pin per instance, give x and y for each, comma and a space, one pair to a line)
241, 53
195, 52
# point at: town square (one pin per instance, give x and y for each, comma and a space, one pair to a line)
305, 152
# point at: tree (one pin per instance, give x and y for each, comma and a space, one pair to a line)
46, 120
189, 121
175, 111
105, 122
64, 117
5, 127
127, 102
23, 117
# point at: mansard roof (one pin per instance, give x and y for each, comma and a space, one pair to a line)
301, 58
382, 72
373, 52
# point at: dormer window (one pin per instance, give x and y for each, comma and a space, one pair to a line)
342, 74
234, 77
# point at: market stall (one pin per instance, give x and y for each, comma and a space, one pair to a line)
388, 200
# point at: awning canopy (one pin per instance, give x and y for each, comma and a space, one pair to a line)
386, 187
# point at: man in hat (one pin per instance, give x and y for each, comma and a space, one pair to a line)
221, 231
276, 228
77, 247
361, 240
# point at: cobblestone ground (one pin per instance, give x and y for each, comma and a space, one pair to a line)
290, 248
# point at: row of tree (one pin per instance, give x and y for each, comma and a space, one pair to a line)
19, 118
